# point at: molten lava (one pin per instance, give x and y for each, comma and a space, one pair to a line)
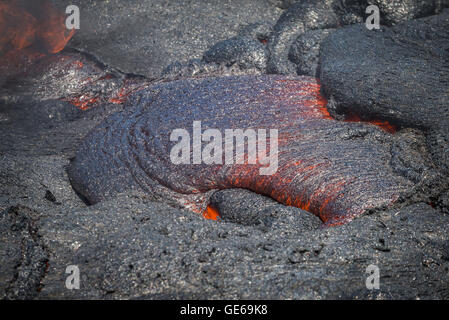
29, 30
32, 23
320, 106
86, 100
385, 125
315, 172
211, 213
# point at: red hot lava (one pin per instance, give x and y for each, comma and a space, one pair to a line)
30, 29
385, 125
211, 213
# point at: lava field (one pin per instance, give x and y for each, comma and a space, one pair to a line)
257, 149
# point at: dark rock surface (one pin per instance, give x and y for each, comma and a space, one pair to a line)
400, 74
305, 51
130, 247
144, 37
47, 127
299, 18
438, 142
71, 76
245, 53
303, 16
292, 44
24, 256
244, 207
246, 49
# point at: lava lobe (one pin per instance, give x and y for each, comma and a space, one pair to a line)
334, 169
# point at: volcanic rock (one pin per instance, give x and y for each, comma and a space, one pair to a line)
399, 74
144, 37
407, 84
305, 51
130, 247
307, 15
250, 209
246, 49
24, 257
300, 17
71, 76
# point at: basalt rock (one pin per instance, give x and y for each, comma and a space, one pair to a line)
244, 54
131, 248
24, 256
292, 45
247, 49
443, 202
300, 17
197, 68
247, 208
393, 12
438, 144
336, 170
400, 74
305, 51
145, 36
307, 15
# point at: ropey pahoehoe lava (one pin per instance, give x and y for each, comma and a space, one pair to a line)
334, 169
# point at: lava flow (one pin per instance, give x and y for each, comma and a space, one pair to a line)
385, 125
32, 23
319, 167
319, 171
117, 95
211, 213
33, 34
29, 30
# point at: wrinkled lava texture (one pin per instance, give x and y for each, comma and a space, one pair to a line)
321, 169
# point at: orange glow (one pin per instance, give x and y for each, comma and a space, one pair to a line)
84, 102
385, 125
120, 97
32, 23
211, 213
126, 90
88, 100
316, 105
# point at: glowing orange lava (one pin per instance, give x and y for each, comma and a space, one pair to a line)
385, 125
211, 213
84, 102
37, 24
318, 105
315, 107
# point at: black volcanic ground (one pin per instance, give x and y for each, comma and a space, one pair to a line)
133, 245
